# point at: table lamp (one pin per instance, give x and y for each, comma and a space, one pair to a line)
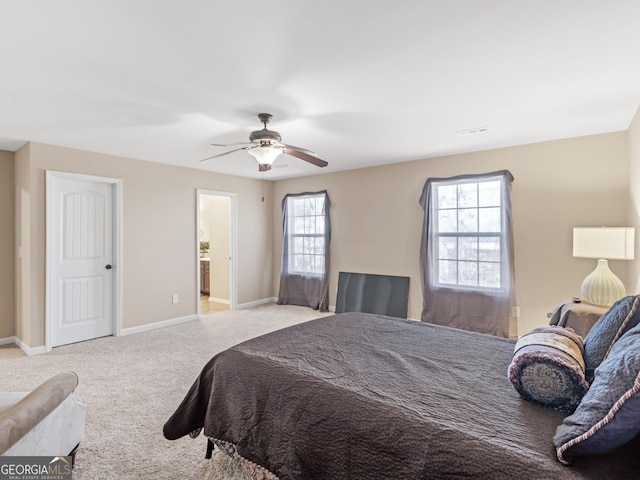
602, 286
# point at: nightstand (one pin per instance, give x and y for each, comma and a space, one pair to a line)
577, 315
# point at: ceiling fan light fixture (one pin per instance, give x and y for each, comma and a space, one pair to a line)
265, 154
265, 146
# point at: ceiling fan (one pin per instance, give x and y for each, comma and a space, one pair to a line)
264, 145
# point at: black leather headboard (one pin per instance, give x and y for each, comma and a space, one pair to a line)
370, 293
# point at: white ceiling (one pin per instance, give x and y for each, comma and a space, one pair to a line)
359, 82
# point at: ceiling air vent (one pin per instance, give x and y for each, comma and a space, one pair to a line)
472, 131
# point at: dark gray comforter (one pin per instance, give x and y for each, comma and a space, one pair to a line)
359, 396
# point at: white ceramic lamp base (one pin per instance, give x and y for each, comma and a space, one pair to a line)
602, 287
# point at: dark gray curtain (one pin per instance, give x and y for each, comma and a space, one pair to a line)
305, 289
480, 310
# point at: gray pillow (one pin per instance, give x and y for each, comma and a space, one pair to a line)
609, 413
620, 318
547, 368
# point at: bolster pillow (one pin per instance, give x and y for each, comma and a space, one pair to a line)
547, 368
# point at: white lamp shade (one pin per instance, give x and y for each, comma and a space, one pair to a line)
600, 242
265, 154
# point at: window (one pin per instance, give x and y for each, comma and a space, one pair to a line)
466, 253
306, 234
468, 228
304, 276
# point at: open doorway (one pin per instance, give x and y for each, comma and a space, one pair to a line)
216, 251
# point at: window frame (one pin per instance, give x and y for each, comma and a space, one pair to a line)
291, 235
477, 234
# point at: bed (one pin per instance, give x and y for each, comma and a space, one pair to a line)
361, 396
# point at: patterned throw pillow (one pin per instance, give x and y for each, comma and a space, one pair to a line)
620, 318
548, 369
609, 414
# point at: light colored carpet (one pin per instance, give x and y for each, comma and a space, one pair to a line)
132, 384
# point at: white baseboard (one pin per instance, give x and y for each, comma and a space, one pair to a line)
219, 300
31, 350
125, 331
7, 341
255, 303
153, 326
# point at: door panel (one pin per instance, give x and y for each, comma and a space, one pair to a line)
82, 300
81, 246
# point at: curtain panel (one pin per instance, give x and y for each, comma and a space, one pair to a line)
486, 310
304, 274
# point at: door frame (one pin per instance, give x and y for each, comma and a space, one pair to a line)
116, 189
233, 243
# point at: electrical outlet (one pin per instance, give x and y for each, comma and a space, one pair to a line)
175, 299
515, 312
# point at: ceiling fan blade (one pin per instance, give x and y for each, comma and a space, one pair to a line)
263, 168
225, 153
304, 154
230, 144
300, 149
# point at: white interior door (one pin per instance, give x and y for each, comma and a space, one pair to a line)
81, 250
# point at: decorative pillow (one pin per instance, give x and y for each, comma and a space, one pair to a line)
548, 369
609, 414
621, 317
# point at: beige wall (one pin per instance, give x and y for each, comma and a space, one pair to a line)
633, 284
375, 215
376, 218
159, 244
7, 242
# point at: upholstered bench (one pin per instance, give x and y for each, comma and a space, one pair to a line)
46, 421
